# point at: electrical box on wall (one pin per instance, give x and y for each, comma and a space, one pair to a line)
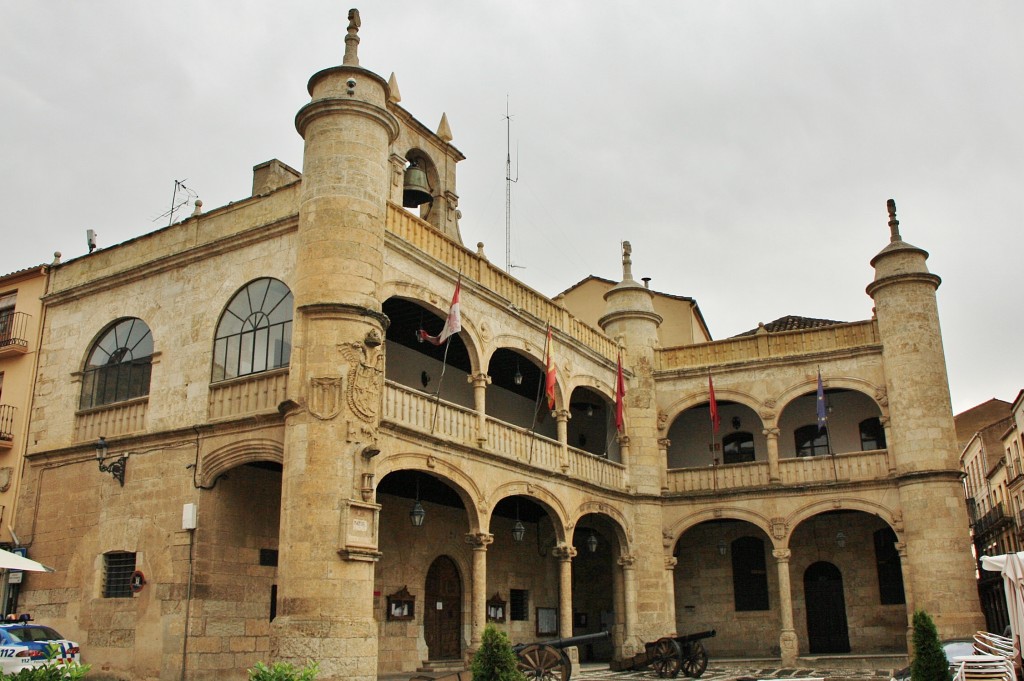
188, 517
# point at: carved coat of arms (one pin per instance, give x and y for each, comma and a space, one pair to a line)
325, 397
365, 380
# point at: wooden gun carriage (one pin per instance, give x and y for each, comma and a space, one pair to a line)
547, 659
669, 655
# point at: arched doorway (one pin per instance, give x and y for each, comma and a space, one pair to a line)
442, 610
826, 609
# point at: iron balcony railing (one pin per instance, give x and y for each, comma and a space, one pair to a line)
993, 521
7, 423
14, 329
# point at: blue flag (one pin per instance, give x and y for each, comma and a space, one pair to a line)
822, 412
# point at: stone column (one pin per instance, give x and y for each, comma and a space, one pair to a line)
908, 594
670, 588
772, 434
889, 459
480, 382
663, 444
629, 596
625, 454
787, 637
562, 417
478, 616
564, 553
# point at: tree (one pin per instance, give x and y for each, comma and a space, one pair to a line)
930, 662
495, 661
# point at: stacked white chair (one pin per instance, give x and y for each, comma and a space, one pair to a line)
983, 668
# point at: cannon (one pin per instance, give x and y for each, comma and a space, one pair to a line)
547, 659
671, 654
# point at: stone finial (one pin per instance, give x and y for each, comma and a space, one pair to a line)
894, 224
56, 258
394, 96
198, 210
444, 131
352, 39
627, 262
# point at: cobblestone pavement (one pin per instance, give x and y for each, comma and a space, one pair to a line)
738, 673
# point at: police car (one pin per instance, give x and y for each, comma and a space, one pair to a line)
24, 645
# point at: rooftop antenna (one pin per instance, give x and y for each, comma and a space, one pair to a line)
179, 188
508, 187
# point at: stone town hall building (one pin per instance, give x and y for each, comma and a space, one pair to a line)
254, 374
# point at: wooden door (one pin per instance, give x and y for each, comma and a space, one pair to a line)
442, 611
827, 631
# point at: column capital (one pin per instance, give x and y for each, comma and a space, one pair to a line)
771, 433
664, 443
562, 415
671, 562
782, 555
479, 540
623, 439
627, 561
479, 380
564, 552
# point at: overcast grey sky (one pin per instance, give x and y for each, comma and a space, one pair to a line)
746, 149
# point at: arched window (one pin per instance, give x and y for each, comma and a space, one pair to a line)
738, 447
749, 574
872, 434
810, 441
119, 364
255, 331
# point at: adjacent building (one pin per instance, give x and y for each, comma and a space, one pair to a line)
242, 447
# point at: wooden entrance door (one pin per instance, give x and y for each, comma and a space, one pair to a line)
826, 609
442, 611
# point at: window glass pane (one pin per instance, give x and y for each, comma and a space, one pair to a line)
255, 330
738, 447
259, 352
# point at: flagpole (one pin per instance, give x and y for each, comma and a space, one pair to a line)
822, 414
440, 380
540, 390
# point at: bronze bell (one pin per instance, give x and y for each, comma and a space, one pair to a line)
415, 191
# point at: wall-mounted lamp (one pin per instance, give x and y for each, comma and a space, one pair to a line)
417, 514
722, 547
735, 422
592, 542
116, 467
590, 410
518, 529
840, 539
517, 378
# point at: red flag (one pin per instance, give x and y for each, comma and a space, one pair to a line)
715, 421
620, 396
452, 325
549, 374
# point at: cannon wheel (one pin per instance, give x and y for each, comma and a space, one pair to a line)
666, 657
695, 659
538, 661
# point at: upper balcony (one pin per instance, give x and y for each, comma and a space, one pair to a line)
14, 328
991, 523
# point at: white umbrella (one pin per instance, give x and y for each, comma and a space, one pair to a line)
12, 561
1011, 565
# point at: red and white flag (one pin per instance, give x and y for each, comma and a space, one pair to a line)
549, 374
620, 396
452, 325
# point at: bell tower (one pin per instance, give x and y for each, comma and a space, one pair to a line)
328, 543
938, 570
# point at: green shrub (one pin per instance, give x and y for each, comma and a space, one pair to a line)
495, 661
930, 662
283, 671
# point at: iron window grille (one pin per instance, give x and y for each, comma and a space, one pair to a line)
117, 574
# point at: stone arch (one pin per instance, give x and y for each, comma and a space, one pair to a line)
619, 522
797, 390
591, 382
721, 395
681, 526
426, 297
532, 353
808, 511
462, 484
234, 454
547, 500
